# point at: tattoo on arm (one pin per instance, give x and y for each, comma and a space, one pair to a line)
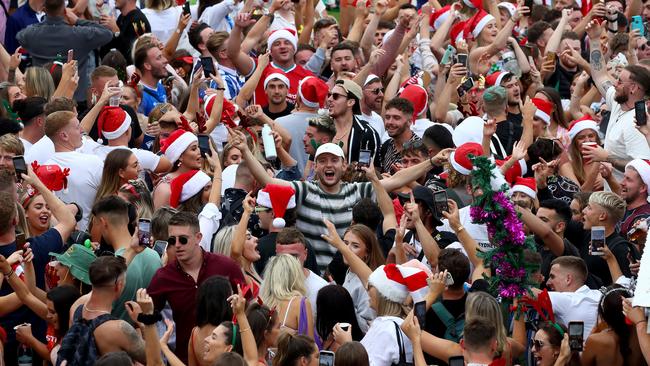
136, 348
606, 85
596, 59
618, 164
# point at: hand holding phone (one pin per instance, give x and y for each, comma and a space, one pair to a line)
144, 232
20, 167
640, 113
204, 145
364, 159
208, 66
576, 335
597, 240
420, 311
186, 7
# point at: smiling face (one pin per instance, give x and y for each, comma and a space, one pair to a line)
282, 51
215, 344
632, 186
343, 60
156, 63
396, 122
545, 353
132, 170
14, 94
488, 33
373, 96
38, 215
329, 169
191, 157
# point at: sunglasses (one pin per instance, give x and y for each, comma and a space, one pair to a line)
181, 239
262, 209
336, 96
376, 91
412, 144
537, 344
644, 46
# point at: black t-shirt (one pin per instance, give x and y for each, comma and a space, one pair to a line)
132, 25
561, 79
509, 132
276, 115
436, 327
136, 131
548, 256
620, 249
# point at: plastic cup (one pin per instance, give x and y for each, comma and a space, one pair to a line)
345, 326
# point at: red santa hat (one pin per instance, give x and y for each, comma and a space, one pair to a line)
544, 109
113, 122
279, 198
439, 16
585, 6
177, 142
457, 32
526, 186
277, 76
187, 185
52, 176
417, 95
474, 4
496, 78
284, 33
516, 171
642, 166
509, 7
228, 111
396, 282
313, 92
476, 23
459, 158
581, 124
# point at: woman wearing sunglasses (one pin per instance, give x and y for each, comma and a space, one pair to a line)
546, 344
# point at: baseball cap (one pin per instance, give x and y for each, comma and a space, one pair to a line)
334, 149
78, 259
350, 87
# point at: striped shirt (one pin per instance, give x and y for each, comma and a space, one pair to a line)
313, 205
388, 154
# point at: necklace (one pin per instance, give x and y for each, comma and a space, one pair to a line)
336, 138
95, 311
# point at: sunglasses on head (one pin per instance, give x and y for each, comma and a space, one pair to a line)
412, 144
262, 209
181, 239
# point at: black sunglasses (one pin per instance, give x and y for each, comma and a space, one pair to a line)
537, 344
412, 144
376, 91
181, 239
336, 96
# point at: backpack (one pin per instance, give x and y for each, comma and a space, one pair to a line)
78, 346
454, 331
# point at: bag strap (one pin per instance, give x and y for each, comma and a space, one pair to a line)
402, 353
444, 315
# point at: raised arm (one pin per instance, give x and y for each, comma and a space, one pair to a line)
552, 241
383, 199
429, 245
456, 74
89, 119
408, 175
238, 304
151, 346
172, 42
357, 265
256, 168
242, 61
241, 230
248, 90
553, 44
596, 59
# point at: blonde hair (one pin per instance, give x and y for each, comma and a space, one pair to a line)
10, 143
38, 82
482, 304
611, 202
56, 121
222, 242
386, 307
283, 279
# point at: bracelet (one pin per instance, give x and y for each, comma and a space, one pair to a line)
460, 228
7, 275
222, 89
245, 330
642, 321
149, 319
431, 161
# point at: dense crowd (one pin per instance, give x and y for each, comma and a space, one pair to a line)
262, 183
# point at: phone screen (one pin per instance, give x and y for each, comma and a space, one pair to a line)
208, 66
160, 246
640, 113
204, 145
440, 202
576, 333
20, 241
462, 59
597, 240
144, 229
456, 361
186, 7
364, 158
326, 358
420, 310
19, 166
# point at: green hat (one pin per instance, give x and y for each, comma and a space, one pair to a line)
78, 259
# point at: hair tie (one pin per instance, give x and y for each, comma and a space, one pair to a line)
234, 333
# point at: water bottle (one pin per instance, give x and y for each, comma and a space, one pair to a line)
24, 356
269, 143
510, 63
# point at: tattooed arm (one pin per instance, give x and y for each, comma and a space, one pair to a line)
596, 59
133, 344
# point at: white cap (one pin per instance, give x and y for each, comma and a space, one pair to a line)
330, 148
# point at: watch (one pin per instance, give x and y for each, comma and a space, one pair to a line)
116, 34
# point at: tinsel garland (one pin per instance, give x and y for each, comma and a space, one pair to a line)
510, 273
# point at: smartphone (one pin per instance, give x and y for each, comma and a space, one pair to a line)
640, 111
637, 23
204, 145
144, 232
550, 56
364, 158
160, 246
597, 240
326, 358
576, 334
70, 55
186, 7
449, 280
446, 57
208, 66
19, 166
456, 361
440, 202
529, 5
20, 241
420, 310
461, 58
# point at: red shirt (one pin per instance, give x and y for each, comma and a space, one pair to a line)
294, 74
171, 284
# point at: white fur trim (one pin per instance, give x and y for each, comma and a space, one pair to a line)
581, 126
194, 185
276, 75
543, 115
510, 7
389, 289
176, 149
643, 168
462, 170
523, 166
283, 34
524, 189
481, 24
120, 131
469, 3
304, 100
441, 19
264, 199
500, 77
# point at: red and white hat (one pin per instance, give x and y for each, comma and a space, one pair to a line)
313, 92
113, 122
495, 78
284, 33
516, 171
279, 198
476, 23
228, 111
526, 186
187, 185
474, 4
510, 7
456, 33
585, 6
177, 142
276, 76
459, 158
52, 176
396, 282
642, 166
439, 16
469, 130
544, 109
581, 124
417, 95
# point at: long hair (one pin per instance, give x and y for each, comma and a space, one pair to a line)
283, 279
261, 320
483, 304
386, 307
116, 160
577, 163
211, 305
63, 297
334, 305
375, 256
137, 193
38, 82
291, 348
222, 241
558, 111
610, 311
193, 204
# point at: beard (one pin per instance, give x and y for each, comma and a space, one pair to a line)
621, 98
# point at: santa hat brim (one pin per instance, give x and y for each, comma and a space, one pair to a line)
643, 168
178, 147
393, 291
543, 116
112, 135
581, 126
524, 189
282, 34
194, 185
459, 168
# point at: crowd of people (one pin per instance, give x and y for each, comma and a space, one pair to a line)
262, 183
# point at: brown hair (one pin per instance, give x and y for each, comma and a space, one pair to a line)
290, 235
574, 264
57, 121
102, 71
215, 41
60, 104
140, 54
351, 354
7, 211
11, 144
375, 256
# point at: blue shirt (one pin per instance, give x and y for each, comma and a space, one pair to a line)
151, 98
23, 17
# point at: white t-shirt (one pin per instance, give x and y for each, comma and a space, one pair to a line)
420, 125
622, 139
83, 180
26, 145
148, 160
164, 22
581, 305
221, 16
478, 232
380, 342
314, 283
377, 123
41, 151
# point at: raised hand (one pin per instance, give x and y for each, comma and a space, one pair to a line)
332, 235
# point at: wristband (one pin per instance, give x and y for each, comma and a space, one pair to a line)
149, 319
222, 89
7, 275
460, 228
431, 162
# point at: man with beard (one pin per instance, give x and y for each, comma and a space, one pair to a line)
623, 142
342, 60
397, 120
634, 190
373, 97
276, 87
511, 83
151, 63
